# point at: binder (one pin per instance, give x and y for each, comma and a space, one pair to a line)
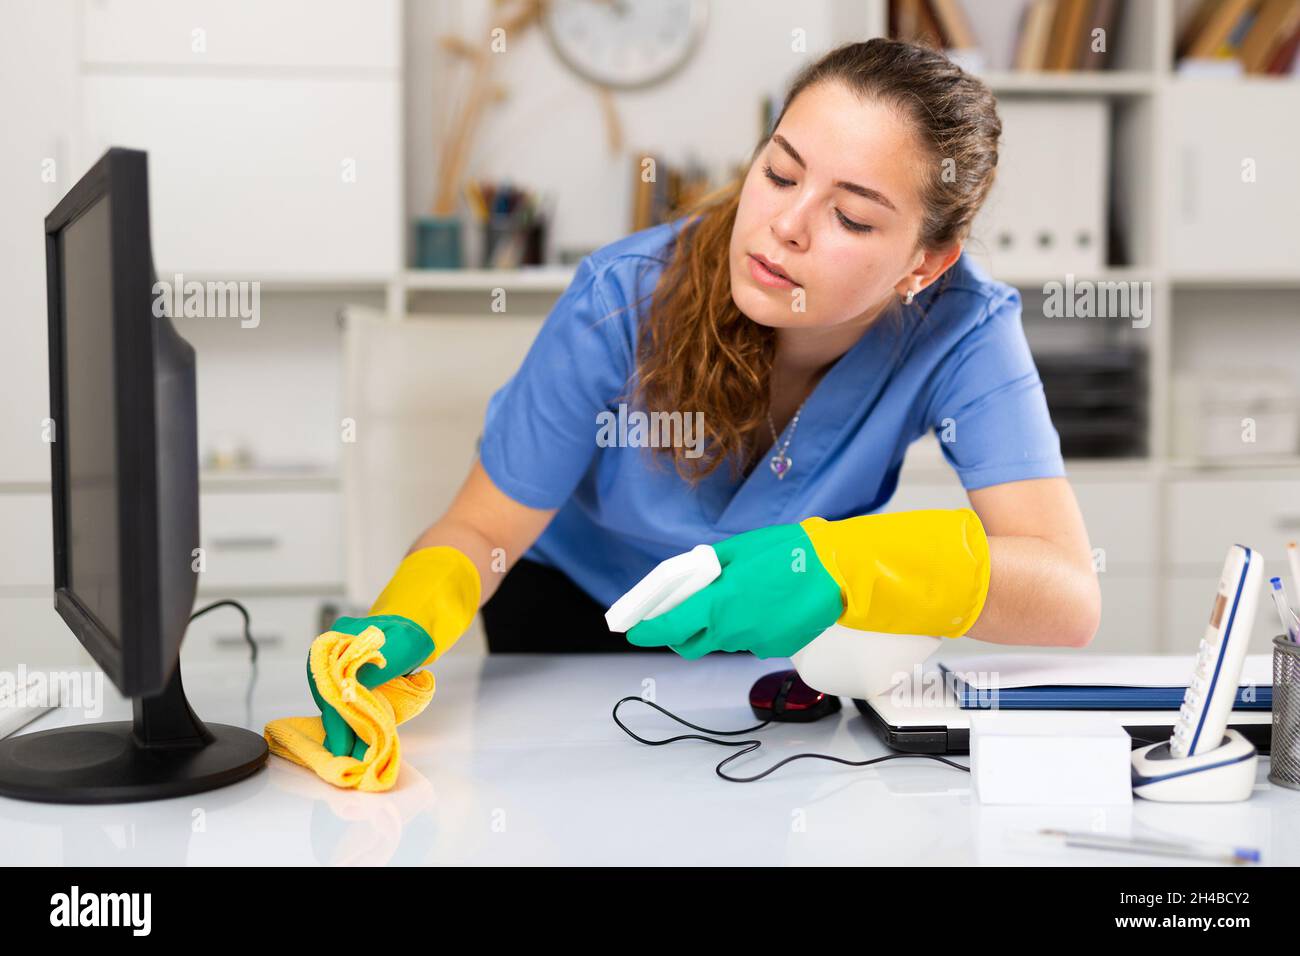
1046, 213
1091, 682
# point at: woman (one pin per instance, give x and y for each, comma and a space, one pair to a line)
812, 321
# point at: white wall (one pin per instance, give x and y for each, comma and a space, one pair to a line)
550, 134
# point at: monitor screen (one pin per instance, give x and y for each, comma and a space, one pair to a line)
89, 434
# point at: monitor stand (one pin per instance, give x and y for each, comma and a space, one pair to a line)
166, 751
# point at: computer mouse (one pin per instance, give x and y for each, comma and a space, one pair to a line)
782, 696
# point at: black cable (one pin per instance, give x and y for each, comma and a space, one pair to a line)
248, 632
752, 745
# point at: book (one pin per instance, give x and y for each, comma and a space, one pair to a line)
1284, 59
956, 28
1031, 50
915, 22
1066, 38
1102, 15
1273, 26
1212, 41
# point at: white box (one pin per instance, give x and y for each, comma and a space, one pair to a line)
1058, 758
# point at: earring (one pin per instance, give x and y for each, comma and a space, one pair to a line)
907, 299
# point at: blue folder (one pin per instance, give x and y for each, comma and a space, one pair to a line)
1079, 697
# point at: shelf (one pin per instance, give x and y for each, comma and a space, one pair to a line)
527, 279
1105, 274
287, 282
1244, 79
1242, 468
277, 479
1254, 282
1073, 83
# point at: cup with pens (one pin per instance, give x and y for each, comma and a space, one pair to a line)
1284, 761
514, 224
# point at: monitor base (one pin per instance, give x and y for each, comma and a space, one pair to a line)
166, 751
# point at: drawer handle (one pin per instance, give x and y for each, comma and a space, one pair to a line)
237, 640
1288, 523
246, 543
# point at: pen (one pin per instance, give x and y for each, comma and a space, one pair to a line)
1293, 555
1290, 623
1198, 851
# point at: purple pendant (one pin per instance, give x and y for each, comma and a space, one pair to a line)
781, 465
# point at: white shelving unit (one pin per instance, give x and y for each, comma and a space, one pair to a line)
274, 137
1156, 577
1156, 598
1162, 522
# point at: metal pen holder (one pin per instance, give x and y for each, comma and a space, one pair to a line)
1284, 764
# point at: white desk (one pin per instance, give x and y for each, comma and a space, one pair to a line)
516, 760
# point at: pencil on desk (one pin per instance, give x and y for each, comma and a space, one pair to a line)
1146, 845
1293, 555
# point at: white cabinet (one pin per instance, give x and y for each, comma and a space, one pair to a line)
38, 83
1128, 614
1235, 197
255, 178
36, 636
1122, 525
283, 627
273, 149
1121, 517
1189, 598
1208, 515
270, 540
418, 390
247, 33
27, 559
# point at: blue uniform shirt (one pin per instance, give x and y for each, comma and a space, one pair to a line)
964, 367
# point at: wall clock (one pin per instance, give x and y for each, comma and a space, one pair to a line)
624, 44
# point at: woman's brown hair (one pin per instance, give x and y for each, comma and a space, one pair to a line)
697, 352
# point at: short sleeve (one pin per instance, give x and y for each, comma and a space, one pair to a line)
539, 433
988, 408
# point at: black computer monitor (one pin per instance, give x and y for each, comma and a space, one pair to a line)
125, 488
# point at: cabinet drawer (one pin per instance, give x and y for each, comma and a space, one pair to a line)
326, 33
27, 559
34, 635
1128, 615
1220, 220
1120, 515
268, 540
280, 626
1188, 602
1207, 516
328, 205
1121, 521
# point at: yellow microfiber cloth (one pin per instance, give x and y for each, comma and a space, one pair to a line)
373, 714
438, 588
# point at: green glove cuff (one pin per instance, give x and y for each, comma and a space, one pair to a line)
774, 596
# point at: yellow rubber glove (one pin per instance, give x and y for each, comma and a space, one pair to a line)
438, 588
914, 572
424, 609
360, 672
909, 572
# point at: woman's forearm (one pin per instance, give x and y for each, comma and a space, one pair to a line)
492, 530
486, 556
1039, 593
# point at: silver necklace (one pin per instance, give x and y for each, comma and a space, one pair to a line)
781, 463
